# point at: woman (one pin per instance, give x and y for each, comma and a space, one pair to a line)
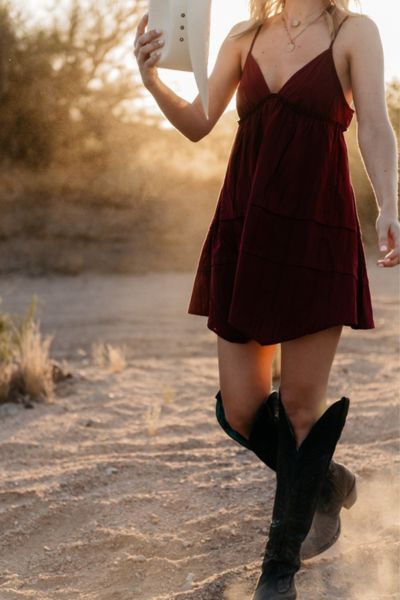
283, 260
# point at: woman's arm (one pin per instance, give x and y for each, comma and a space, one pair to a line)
188, 117
375, 134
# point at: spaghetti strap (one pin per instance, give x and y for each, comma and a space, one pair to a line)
253, 40
338, 29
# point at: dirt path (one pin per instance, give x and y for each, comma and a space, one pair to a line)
126, 487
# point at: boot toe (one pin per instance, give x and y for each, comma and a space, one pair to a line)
271, 588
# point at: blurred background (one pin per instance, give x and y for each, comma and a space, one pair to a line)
92, 175
121, 478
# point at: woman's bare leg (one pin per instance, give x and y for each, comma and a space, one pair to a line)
245, 374
305, 366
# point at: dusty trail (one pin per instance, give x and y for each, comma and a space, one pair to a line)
126, 487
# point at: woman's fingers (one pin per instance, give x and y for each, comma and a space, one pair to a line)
149, 62
146, 50
140, 29
149, 47
388, 230
146, 42
390, 259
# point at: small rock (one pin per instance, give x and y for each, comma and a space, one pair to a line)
187, 544
8, 409
139, 558
47, 548
90, 422
111, 470
27, 403
189, 581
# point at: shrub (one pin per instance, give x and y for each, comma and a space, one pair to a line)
25, 367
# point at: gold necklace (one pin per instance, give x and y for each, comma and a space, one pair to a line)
291, 45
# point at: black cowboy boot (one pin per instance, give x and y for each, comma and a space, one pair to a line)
339, 487
338, 490
300, 474
264, 436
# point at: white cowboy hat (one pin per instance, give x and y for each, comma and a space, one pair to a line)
186, 31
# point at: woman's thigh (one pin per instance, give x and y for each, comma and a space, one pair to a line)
305, 367
245, 377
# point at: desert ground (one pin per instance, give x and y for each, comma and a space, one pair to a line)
125, 487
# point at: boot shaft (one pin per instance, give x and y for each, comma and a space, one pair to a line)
263, 440
300, 475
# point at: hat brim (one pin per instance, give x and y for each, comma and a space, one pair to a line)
199, 24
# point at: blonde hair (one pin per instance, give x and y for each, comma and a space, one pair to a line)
260, 10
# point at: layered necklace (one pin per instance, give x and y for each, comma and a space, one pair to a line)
296, 22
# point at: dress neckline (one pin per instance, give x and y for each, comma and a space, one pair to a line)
292, 76
328, 51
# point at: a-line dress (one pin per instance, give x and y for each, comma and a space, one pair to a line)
284, 256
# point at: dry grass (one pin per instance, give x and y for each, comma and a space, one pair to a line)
166, 397
168, 394
26, 370
6, 374
153, 417
33, 366
108, 356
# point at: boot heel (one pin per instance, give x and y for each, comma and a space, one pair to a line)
351, 497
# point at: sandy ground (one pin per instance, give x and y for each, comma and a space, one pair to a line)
126, 487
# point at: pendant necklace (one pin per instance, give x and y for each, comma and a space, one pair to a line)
291, 45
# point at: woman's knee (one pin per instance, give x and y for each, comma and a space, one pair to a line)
241, 414
303, 404
237, 417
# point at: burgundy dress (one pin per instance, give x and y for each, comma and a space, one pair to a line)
283, 256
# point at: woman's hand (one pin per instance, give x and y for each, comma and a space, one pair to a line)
388, 230
145, 43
